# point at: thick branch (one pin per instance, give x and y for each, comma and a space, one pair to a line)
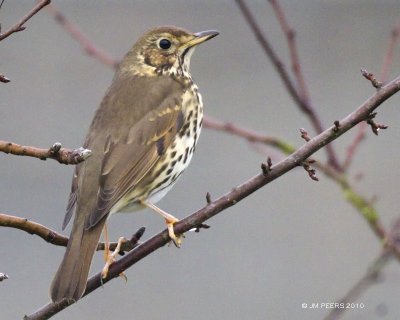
58, 239
19, 26
238, 193
62, 155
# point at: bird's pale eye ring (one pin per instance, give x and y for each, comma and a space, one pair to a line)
164, 44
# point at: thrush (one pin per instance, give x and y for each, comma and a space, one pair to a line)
142, 138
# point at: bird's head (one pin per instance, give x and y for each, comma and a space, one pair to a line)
164, 50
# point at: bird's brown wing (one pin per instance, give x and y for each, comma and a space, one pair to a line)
129, 159
72, 197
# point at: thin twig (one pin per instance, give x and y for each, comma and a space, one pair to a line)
388, 58
62, 155
372, 274
351, 149
4, 79
387, 61
248, 134
305, 106
294, 56
362, 205
371, 77
237, 194
84, 41
19, 26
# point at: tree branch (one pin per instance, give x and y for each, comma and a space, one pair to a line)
304, 105
19, 26
85, 42
372, 274
58, 239
62, 155
237, 194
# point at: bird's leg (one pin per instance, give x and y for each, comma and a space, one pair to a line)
109, 257
106, 253
170, 221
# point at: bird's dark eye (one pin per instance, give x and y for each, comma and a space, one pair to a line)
164, 44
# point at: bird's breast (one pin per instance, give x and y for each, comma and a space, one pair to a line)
179, 154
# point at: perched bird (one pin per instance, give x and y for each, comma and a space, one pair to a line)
142, 138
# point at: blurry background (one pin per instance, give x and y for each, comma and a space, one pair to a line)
295, 241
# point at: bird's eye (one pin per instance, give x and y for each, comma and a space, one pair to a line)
164, 44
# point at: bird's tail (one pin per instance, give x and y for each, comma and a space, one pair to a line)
71, 277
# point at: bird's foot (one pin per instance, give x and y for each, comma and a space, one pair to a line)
177, 240
110, 258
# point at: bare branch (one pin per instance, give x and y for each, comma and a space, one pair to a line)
304, 134
294, 56
62, 155
19, 26
304, 105
4, 79
370, 76
351, 150
372, 274
84, 41
3, 276
388, 59
375, 127
248, 134
236, 195
55, 238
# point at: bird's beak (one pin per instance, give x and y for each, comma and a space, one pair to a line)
200, 37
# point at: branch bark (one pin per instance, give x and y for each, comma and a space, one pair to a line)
19, 26
304, 104
56, 238
237, 194
56, 152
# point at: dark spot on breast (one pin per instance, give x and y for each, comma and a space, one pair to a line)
173, 154
173, 163
169, 171
184, 129
180, 157
186, 154
161, 170
190, 115
161, 183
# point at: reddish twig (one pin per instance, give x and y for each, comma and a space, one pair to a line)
370, 76
351, 149
387, 61
248, 134
304, 105
375, 127
4, 79
237, 194
311, 172
85, 42
294, 56
388, 58
3, 276
372, 274
304, 134
19, 26
62, 155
